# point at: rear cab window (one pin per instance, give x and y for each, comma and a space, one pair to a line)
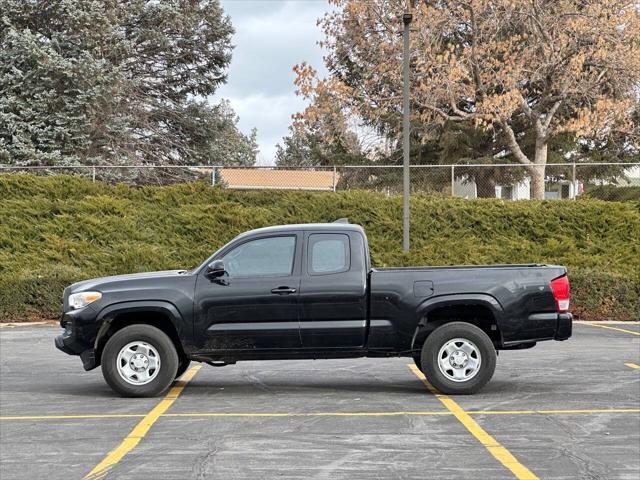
328, 253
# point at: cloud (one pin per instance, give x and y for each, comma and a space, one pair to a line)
271, 115
271, 37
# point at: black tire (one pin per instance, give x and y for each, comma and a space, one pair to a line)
159, 341
183, 364
439, 338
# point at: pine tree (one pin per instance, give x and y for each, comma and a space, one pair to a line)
88, 82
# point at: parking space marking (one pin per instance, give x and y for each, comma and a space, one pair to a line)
107, 416
494, 447
633, 365
311, 414
610, 328
390, 414
552, 412
141, 429
72, 417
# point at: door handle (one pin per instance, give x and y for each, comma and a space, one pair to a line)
283, 290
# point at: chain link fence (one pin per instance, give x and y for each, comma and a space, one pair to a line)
609, 181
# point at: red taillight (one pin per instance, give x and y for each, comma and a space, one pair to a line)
561, 292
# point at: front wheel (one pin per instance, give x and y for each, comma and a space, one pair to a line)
183, 364
139, 361
417, 359
458, 358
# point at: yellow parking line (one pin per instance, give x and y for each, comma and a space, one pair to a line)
73, 417
307, 414
141, 429
611, 328
633, 365
611, 322
491, 444
390, 414
320, 414
552, 412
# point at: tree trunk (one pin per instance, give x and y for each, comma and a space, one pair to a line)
537, 170
536, 191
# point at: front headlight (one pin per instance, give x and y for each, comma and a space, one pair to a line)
82, 299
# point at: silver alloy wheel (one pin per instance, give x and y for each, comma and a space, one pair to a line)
459, 360
138, 363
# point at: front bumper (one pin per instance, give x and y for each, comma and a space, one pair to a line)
88, 356
62, 346
79, 336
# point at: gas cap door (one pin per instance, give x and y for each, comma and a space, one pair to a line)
422, 288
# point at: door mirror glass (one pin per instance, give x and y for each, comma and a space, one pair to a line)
215, 269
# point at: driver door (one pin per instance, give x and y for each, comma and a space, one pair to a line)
254, 305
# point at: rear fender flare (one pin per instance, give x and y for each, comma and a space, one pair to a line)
477, 299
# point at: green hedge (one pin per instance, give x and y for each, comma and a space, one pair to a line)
614, 193
57, 230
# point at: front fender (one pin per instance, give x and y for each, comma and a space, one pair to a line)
108, 313
433, 303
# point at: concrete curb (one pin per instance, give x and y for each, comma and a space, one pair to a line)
28, 324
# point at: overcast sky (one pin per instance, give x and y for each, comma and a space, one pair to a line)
271, 37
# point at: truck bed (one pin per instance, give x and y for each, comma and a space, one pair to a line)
462, 267
518, 297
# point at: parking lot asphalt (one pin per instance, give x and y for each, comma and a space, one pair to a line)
561, 410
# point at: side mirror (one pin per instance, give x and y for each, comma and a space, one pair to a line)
215, 269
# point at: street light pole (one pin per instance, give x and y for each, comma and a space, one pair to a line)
406, 130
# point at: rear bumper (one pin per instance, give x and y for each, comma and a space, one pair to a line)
540, 327
564, 327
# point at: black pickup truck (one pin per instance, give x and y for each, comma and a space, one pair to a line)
309, 292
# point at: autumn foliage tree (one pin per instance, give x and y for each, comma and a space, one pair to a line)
529, 70
319, 136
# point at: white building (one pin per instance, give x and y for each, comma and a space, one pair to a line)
519, 191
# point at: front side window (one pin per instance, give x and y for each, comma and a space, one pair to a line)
328, 253
264, 257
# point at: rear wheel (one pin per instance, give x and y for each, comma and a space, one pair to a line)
458, 358
139, 361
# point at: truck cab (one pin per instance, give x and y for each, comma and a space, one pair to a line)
279, 290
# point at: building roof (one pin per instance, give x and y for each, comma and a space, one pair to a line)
243, 178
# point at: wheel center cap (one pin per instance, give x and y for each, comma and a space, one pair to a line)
458, 359
139, 362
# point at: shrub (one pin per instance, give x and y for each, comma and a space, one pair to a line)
615, 193
58, 230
